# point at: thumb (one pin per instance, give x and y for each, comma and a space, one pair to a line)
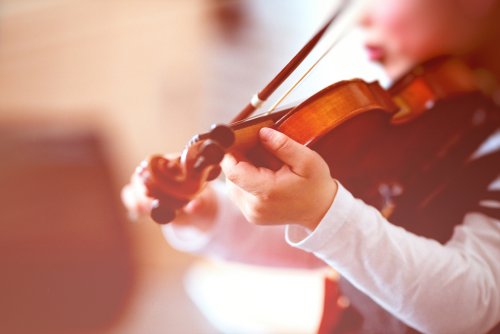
297, 156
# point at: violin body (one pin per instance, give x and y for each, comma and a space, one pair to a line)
377, 142
386, 164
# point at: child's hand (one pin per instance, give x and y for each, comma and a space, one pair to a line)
134, 197
300, 192
200, 212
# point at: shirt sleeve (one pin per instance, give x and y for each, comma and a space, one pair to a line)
435, 288
233, 238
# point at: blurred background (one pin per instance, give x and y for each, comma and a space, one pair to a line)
87, 90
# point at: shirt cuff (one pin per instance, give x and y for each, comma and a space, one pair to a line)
335, 218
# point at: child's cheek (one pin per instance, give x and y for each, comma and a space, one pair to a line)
392, 17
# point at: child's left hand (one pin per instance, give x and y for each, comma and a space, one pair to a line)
300, 192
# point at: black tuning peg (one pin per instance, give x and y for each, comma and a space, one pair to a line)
222, 134
210, 153
162, 214
164, 208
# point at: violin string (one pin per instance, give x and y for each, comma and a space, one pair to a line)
304, 76
259, 98
351, 17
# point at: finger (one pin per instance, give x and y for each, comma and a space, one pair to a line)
231, 159
246, 176
297, 156
237, 170
238, 196
204, 201
140, 193
128, 198
228, 163
137, 204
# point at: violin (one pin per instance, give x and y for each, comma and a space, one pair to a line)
368, 135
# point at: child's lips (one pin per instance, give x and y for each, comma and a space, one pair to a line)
375, 53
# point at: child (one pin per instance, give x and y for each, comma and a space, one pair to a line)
450, 286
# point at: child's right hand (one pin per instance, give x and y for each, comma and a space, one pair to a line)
200, 212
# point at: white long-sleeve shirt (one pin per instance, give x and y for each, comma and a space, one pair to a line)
435, 288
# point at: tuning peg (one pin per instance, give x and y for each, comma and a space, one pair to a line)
211, 153
214, 173
222, 134
162, 214
164, 207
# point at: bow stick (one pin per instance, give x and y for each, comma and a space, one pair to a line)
258, 99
